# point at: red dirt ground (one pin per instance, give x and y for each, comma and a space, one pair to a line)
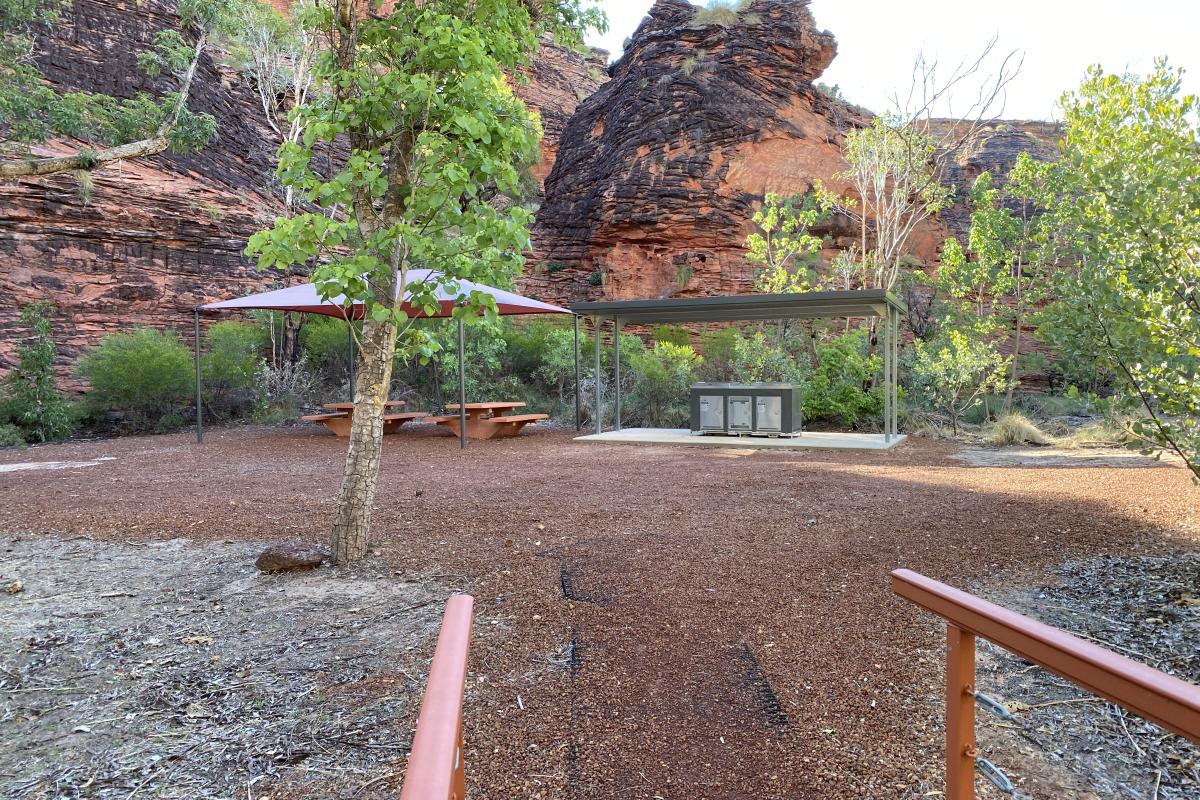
728, 629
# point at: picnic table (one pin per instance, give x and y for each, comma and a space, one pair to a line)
341, 417
488, 420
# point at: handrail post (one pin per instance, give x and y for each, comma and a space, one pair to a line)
960, 714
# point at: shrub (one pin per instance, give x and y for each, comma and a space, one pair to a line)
953, 373
31, 402
836, 388
755, 358
326, 346
720, 12
718, 348
675, 334
11, 435
663, 376
145, 374
596, 278
229, 366
282, 392
1014, 429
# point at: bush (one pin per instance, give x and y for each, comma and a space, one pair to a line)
144, 374
755, 359
720, 12
836, 389
675, 334
32, 403
326, 346
229, 366
718, 348
284, 391
662, 379
11, 435
954, 372
1014, 429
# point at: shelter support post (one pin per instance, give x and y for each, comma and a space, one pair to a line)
616, 373
886, 347
578, 407
597, 378
462, 385
199, 399
896, 374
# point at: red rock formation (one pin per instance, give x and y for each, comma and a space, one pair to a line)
154, 237
659, 172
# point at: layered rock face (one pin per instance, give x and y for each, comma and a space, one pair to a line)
659, 172
150, 239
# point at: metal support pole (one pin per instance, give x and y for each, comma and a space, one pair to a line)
887, 376
462, 385
896, 374
960, 714
199, 399
597, 378
350, 345
616, 373
578, 406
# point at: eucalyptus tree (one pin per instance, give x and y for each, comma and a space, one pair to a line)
434, 137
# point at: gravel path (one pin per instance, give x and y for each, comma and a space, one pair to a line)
653, 621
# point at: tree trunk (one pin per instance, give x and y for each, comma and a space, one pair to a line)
289, 346
352, 521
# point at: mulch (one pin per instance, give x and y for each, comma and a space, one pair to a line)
653, 621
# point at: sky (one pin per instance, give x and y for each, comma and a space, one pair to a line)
879, 39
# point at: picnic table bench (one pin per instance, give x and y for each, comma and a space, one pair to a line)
488, 420
341, 417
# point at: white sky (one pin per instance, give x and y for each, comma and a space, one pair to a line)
878, 40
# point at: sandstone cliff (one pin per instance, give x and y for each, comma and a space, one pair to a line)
150, 239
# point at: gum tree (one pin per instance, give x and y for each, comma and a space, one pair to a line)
434, 136
112, 129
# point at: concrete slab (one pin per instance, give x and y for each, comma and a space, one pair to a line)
809, 439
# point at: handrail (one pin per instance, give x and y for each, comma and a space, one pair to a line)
1166, 700
435, 766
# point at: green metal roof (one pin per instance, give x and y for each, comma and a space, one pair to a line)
729, 308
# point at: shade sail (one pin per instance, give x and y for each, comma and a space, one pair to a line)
306, 299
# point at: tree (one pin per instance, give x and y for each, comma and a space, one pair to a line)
113, 128
783, 245
1125, 202
997, 285
956, 371
31, 400
434, 132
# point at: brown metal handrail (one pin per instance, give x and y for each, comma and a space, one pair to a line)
435, 767
1168, 701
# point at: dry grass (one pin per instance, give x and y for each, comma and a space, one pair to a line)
720, 13
1016, 429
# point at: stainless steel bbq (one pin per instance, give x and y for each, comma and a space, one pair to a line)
756, 409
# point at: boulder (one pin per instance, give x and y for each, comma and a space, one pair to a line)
292, 556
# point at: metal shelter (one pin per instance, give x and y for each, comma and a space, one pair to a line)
858, 303
306, 299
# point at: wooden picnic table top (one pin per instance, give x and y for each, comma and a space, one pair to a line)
350, 406
487, 406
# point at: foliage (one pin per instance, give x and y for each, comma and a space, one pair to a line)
955, 371
755, 359
720, 12
834, 391
325, 343
675, 334
663, 376
32, 111
1125, 201
783, 245
145, 374
284, 390
596, 278
893, 171
229, 367
11, 435
30, 399
719, 350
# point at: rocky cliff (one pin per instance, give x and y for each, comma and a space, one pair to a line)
661, 170
144, 241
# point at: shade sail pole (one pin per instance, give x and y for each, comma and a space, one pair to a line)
199, 400
578, 406
598, 377
616, 373
462, 385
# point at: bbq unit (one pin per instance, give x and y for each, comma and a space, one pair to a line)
753, 409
